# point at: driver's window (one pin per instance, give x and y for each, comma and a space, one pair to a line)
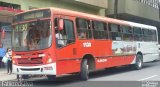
65, 36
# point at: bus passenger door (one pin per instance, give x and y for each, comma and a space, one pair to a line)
65, 45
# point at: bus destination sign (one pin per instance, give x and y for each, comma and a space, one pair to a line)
32, 15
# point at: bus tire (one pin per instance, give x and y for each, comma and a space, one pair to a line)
139, 62
84, 74
51, 77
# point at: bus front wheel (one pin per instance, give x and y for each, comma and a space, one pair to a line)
139, 62
84, 74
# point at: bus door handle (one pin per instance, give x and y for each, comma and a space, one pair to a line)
139, 45
74, 51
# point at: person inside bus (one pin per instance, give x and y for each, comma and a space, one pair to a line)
29, 35
45, 36
82, 35
59, 39
33, 37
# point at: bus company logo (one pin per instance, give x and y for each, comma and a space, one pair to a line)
101, 60
87, 44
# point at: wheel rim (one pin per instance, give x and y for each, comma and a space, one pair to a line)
85, 70
87, 67
139, 63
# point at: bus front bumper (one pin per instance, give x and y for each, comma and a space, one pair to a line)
49, 69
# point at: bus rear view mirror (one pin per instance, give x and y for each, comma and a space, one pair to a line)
61, 23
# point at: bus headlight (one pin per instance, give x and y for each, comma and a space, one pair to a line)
49, 60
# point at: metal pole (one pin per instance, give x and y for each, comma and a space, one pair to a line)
115, 8
159, 9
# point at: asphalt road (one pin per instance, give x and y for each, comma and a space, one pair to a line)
117, 77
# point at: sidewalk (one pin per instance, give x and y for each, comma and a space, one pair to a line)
5, 77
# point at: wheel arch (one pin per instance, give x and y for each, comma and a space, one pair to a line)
91, 61
140, 53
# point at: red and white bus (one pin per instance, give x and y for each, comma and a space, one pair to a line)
53, 41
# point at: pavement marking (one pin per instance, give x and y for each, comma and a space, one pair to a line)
148, 77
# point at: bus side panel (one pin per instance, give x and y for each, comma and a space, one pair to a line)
102, 49
109, 54
129, 52
151, 52
67, 59
129, 59
68, 66
115, 61
122, 53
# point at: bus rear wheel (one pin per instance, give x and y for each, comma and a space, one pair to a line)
51, 77
139, 62
84, 74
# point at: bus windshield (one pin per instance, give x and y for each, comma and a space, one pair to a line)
34, 35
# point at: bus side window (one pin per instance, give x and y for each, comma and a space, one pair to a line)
83, 28
127, 33
146, 36
115, 32
68, 32
152, 36
99, 30
58, 34
137, 34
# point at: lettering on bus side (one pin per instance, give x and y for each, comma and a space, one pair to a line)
101, 60
87, 44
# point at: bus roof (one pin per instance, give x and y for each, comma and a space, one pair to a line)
91, 16
133, 24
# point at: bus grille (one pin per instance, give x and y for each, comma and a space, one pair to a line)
30, 61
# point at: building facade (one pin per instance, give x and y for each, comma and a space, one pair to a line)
140, 11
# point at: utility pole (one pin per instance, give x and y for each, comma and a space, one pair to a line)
115, 8
159, 9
